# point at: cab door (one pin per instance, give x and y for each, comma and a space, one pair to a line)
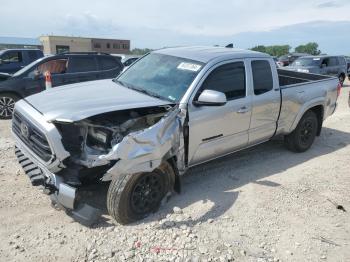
266, 99
218, 130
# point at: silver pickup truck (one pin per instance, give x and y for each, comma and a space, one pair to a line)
171, 110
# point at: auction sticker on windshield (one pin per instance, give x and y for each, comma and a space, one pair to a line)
189, 66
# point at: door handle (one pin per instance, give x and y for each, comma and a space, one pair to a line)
243, 110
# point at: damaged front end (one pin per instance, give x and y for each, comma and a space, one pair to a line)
97, 148
123, 142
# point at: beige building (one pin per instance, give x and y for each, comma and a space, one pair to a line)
58, 44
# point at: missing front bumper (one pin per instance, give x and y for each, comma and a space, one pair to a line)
64, 194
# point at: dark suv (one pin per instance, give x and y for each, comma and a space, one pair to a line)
323, 65
12, 60
66, 68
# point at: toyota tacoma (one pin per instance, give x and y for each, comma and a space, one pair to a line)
171, 110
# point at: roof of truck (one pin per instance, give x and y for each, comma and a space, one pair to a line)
206, 53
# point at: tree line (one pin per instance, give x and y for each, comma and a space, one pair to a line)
273, 50
279, 50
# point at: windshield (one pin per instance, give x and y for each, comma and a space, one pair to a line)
163, 76
24, 69
307, 61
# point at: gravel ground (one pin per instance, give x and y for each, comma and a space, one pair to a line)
261, 204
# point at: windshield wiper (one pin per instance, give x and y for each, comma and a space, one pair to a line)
141, 90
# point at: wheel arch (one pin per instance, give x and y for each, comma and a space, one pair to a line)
11, 92
175, 176
317, 106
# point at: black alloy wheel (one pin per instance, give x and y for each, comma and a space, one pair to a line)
148, 191
7, 105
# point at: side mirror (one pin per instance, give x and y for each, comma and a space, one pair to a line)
211, 98
0, 61
323, 65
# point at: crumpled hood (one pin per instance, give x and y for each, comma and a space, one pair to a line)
78, 101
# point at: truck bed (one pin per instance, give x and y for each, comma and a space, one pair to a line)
288, 78
297, 90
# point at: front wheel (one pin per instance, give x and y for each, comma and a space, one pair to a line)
134, 196
7, 105
304, 135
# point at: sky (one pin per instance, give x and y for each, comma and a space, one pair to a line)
160, 23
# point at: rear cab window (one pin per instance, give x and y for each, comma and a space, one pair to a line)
262, 76
80, 64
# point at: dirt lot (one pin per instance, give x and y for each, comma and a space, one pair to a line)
262, 204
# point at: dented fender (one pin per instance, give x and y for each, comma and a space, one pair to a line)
144, 151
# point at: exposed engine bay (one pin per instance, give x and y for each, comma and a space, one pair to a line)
91, 141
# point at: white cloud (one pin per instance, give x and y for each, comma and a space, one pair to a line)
163, 19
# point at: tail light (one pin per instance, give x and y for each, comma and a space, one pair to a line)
338, 89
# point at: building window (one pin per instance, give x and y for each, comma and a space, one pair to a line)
125, 46
61, 49
108, 45
116, 46
97, 45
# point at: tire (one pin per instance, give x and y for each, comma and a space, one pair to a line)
341, 80
304, 134
134, 196
7, 104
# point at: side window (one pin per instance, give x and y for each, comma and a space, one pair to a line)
79, 64
33, 55
12, 57
333, 61
57, 66
107, 63
229, 79
325, 62
341, 60
262, 76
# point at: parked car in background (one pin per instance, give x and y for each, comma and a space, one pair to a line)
171, 110
66, 68
275, 59
128, 60
287, 59
347, 58
12, 60
323, 65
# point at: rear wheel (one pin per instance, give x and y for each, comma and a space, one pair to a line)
304, 135
7, 104
134, 196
